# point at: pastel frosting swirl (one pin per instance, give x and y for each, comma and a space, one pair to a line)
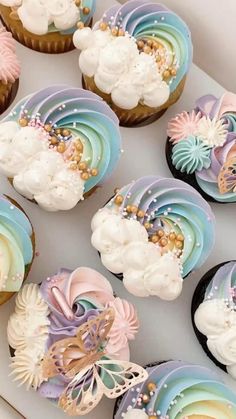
142, 19
160, 221
58, 144
9, 63
16, 249
216, 317
48, 16
177, 390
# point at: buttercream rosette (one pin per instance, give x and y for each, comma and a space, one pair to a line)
73, 313
17, 247
152, 234
9, 69
46, 25
176, 390
58, 145
136, 57
214, 315
201, 148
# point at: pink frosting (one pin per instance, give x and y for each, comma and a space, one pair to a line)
183, 125
124, 328
9, 63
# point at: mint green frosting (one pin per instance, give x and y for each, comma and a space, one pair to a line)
190, 155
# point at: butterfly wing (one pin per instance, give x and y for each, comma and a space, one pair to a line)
69, 356
227, 176
110, 377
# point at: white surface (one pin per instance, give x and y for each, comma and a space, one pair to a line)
212, 23
63, 239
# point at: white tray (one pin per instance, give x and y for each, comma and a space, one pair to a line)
63, 239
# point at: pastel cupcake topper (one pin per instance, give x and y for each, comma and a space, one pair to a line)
215, 315
152, 234
58, 145
138, 54
75, 348
202, 148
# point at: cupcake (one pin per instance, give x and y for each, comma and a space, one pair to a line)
152, 234
9, 70
178, 390
201, 147
17, 246
136, 58
69, 339
214, 315
47, 25
58, 145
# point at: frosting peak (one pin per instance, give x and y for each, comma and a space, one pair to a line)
9, 63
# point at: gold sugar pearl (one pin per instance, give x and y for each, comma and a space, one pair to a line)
86, 10
78, 145
128, 208
147, 49
146, 398
155, 239
48, 127
73, 166
103, 26
61, 147
76, 157
160, 232
140, 44
178, 244
82, 165
150, 43
66, 132
58, 131
78, 3
163, 242
172, 236
173, 71
119, 199
151, 386
147, 226
94, 172
121, 32
166, 74
114, 31
54, 140
140, 213
152, 417
134, 209
180, 237
80, 25
85, 176
158, 58
23, 122
155, 45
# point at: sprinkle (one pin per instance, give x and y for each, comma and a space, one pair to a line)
12, 207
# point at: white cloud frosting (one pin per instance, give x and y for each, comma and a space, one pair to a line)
135, 414
218, 323
37, 15
38, 173
124, 248
119, 69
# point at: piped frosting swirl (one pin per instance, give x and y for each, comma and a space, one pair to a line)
58, 144
154, 231
9, 63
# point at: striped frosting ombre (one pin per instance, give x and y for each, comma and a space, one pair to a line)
177, 390
63, 135
164, 218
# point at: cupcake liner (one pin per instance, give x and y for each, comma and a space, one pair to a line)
198, 298
5, 296
51, 43
141, 115
8, 93
187, 178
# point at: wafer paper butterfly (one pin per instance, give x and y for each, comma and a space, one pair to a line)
90, 372
227, 177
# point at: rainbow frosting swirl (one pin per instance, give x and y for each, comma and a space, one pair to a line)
177, 390
215, 316
16, 249
58, 144
154, 231
205, 146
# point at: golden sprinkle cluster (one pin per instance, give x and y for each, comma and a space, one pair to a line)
170, 240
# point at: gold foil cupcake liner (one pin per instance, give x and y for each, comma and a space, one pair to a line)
141, 114
7, 94
5, 296
51, 43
